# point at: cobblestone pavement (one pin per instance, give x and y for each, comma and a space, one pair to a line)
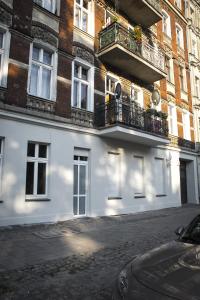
79, 259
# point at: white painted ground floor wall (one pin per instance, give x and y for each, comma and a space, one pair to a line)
123, 177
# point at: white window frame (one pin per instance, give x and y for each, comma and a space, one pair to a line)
186, 125
183, 85
36, 159
115, 79
4, 52
139, 91
85, 164
53, 68
168, 24
116, 176
172, 120
90, 16
197, 86
90, 82
1, 163
178, 3
142, 192
179, 41
163, 193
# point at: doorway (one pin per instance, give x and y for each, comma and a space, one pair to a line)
183, 181
80, 185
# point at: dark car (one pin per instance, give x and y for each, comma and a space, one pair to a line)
171, 271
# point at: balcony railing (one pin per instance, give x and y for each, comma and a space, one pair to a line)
180, 142
129, 114
116, 34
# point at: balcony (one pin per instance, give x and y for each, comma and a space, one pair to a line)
176, 141
143, 12
120, 49
125, 120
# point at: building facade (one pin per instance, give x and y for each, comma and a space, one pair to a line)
193, 33
96, 110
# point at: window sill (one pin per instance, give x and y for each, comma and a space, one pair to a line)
161, 195
114, 198
89, 35
139, 196
38, 200
41, 98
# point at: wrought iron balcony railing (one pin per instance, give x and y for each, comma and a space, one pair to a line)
130, 114
180, 142
117, 34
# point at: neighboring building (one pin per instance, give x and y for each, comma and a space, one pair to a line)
85, 88
193, 33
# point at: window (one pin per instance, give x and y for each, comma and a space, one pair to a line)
83, 80
178, 3
4, 56
166, 24
186, 125
179, 36
49, 5
194, 47
1, 161
82, 14
42, 73
113, 171
110, 18
182, 78
136, 95
138, 178
168, 69
197, 86
111, 83
159, 176
172, 119
80, 184
36, 170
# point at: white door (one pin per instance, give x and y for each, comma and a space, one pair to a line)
80, 185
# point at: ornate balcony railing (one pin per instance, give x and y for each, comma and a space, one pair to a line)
117, 34
180, 142
130, 114
82, 117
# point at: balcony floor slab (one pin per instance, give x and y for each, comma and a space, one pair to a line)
133, 64
132, 135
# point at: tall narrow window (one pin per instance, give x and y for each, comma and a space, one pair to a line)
186, 125
159, 176
82, 14
197, 86
41, 74
172, 119
179, 36
110, 86
113, 171
80, 184
1, 162
168, 68
138, 179
166, 24
82, 82
181, 78
36, 170
4, 56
